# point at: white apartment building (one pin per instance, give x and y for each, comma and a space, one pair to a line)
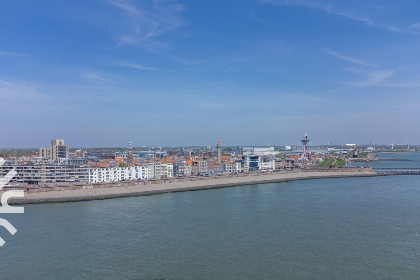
267, 165
159, 170
115, 174
230, 167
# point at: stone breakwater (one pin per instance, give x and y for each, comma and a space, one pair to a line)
374, 157
177, 185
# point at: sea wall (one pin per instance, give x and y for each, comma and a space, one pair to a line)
163, 186
30, 189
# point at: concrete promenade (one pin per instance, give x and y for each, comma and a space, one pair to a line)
149, 189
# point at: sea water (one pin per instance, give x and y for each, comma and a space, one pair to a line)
347, 228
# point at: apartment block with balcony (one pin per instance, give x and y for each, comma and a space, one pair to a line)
42, 174
116, 174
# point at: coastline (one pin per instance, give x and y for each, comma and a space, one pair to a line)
374, 157
152, 189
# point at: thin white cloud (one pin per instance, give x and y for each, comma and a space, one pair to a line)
124, 6
12, 53
370, 78
415, 25
149, 21
19, 91
330, 9
253, 15
94, 77
343, 57
133, 65
327, 7
375, 77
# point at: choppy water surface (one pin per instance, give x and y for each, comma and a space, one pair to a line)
351, 228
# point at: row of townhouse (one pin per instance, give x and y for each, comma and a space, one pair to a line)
115, 174
247, 164
40, 174
151, 170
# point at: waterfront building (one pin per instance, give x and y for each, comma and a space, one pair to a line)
115, 174
182, 169
252, 161
204, 167
267, 165
242, 166
283, 163
230, 167
233, 167
158, 170
40, 174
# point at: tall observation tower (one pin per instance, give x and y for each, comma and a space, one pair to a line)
305, 141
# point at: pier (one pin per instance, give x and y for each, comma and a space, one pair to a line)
399, 171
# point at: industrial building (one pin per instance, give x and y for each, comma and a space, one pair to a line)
258, 151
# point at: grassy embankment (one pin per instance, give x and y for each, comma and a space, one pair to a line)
333, 162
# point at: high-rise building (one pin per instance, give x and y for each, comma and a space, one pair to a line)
56, 151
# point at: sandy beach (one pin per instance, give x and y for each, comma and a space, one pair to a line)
139, 190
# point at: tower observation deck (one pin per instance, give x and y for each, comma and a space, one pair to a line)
305, 141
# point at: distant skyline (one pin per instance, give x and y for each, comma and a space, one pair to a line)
181, 73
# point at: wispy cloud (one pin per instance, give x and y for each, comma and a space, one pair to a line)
19, 91
327, 7
149, 21
94, 77
334, 10
346, 58
12, 54
133, 65
415, 25
124, 6
373, 78
370, 78
253, 15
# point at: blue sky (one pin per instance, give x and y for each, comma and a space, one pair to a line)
172, 73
